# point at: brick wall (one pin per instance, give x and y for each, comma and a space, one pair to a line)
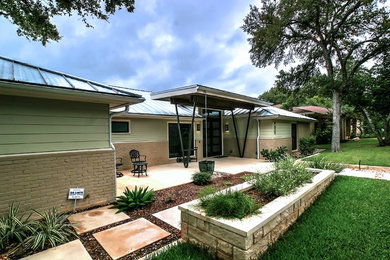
42, 180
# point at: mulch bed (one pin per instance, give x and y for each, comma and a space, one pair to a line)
164, 199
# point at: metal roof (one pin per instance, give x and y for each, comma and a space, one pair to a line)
272, 112
156, 107
216, 98
19, 72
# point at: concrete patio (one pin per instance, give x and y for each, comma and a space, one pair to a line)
168, 175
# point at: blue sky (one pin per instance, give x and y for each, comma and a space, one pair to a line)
163, 44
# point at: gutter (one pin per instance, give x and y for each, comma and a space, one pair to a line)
257, 140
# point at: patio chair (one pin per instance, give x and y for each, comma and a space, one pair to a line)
140, 166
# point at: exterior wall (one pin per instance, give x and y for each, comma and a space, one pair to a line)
42, 180
150, 137
303, 130
230, 147
29, 125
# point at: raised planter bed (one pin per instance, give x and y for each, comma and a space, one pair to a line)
251, 236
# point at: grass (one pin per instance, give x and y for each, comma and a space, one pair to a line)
183, 251
366, 150
350, 220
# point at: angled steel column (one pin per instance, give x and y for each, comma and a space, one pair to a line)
235, 131
246, 133
180, 136
187, 159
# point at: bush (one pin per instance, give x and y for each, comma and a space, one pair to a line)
202, 178
229, 205
273, 156
206, 191
307, 145
286, 177
14, 230
52, 229
321, 163
323, 136
134, 199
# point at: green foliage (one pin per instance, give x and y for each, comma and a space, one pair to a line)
134, 199
33, 18
273, 156
335, 226
322, 163
202, 178
227, 183
14, 229
324, 135
183, 250
206, 191
52, 229
286, 177
307, 145
229, 205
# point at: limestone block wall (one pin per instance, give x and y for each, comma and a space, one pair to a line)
41, 181
250, 237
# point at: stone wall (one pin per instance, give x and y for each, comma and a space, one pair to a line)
41, 181
247, 239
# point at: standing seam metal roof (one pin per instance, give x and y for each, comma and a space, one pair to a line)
271, 111
16, 71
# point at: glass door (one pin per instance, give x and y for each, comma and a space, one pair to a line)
214, 133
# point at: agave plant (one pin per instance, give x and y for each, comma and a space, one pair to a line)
53, 229
13, 230
133, 199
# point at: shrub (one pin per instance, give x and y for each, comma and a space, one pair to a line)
286, 177
14, 230
321, 163
202, 178
307, 145
134, 199
323, 136
206, 191
273, 156
229, 205
227, 183
52, 229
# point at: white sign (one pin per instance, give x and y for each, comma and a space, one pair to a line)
76, 194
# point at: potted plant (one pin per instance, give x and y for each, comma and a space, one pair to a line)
206, 166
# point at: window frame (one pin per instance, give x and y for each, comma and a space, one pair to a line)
121, 133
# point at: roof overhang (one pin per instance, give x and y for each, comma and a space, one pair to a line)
49, 92
216, 98
288, 118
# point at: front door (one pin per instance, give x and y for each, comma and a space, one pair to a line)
213, 133
294, 136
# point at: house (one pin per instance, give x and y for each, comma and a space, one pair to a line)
151, 128
348, 124
55, 135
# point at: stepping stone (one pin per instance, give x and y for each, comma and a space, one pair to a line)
171, 216
126, 238
71, 250
95, 218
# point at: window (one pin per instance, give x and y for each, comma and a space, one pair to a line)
120, 127
174, 140
274, 128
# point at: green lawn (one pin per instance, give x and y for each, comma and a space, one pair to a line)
350, 220
366, 150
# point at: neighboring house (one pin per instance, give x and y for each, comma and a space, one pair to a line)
151, 128
324, 119
55, 135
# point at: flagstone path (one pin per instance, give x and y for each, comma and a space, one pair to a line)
170, 216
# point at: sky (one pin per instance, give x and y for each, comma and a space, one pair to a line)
164, 44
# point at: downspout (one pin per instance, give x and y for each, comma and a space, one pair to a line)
257, 140
110, 138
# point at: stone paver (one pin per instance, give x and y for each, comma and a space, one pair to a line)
170, 216
366, 174
72, 250
95, 218
126, 238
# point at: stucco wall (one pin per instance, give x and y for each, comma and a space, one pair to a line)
42, 180
29, 125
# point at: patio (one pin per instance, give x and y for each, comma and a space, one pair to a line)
168, 175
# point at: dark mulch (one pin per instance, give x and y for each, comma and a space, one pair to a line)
166, 198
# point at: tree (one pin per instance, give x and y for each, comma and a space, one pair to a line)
33, 17
319, 34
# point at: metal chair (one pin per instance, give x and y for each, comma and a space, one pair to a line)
139, 166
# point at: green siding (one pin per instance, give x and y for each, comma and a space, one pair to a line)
283, 129
148, 130
43, 125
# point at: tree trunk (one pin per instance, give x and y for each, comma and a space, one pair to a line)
336, 122
372, 126
387, 130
